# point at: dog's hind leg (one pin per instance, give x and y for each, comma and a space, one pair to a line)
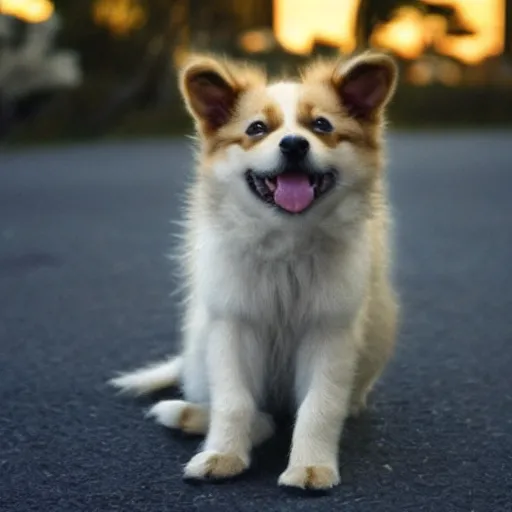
181, 415
381, 329
194, 419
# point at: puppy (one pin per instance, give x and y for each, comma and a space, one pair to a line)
287, 263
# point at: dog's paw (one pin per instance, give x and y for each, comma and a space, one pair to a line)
178, 414
310, 477
214, 465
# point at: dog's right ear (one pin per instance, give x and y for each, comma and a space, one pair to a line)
209, 90
211, 87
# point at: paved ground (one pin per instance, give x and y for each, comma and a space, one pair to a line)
84, 291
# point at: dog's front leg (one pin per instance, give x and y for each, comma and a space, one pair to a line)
325, 370
226, 450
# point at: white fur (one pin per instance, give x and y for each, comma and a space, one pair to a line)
281, 330
274, 312
286, 95
150, 378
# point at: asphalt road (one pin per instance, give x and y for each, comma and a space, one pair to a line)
85, 291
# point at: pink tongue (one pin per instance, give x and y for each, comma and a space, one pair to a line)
293, 192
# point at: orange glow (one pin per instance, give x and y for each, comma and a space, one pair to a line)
256, 41
487, 18
31, 11
120, 16
419, 73
299, 22
405, 34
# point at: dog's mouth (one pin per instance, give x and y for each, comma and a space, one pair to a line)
291, 191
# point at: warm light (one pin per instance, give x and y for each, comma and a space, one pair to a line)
180, 55
487, 19
256, 41
31, 11
449, 73
404, 34
298, 23
120, 16
434, 28
420, 73
408, 32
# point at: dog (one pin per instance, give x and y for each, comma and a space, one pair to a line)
290, 304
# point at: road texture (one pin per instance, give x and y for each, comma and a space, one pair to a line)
85, 290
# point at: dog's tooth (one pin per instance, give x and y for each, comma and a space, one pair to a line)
270, 184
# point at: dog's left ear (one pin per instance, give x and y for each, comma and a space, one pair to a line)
365, 84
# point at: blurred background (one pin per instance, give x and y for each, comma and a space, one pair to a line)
106, 68
85, 289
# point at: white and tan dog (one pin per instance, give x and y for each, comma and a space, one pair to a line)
286, 254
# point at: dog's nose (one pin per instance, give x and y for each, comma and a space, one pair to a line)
294, 146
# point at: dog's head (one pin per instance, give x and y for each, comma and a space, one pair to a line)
291, 148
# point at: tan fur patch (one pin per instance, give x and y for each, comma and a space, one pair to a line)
319, 99
223, 465
319, 71
273, 115
253, 105
185, 417
310, 475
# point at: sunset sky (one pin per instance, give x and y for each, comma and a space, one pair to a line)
299, 22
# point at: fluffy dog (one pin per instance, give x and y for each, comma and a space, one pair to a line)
286, 255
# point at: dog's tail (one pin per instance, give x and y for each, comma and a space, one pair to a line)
150, 378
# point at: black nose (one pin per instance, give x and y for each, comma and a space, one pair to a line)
294, 146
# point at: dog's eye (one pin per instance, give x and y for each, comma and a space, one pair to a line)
256, 128
321, 125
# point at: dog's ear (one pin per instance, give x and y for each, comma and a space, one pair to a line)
365, 84
211, 87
